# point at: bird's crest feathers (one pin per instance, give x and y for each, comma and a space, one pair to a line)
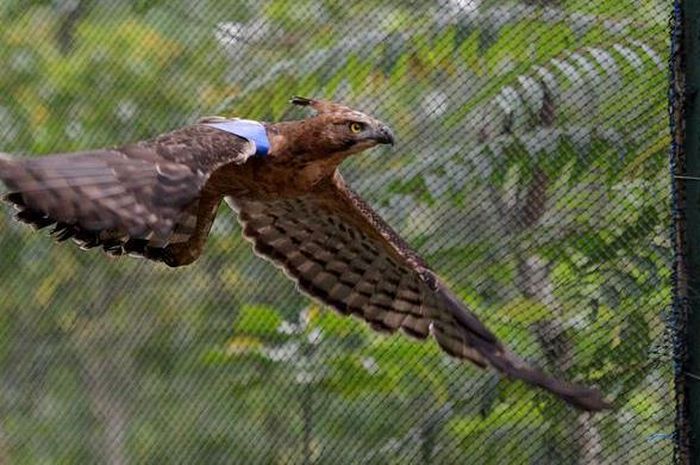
321, 106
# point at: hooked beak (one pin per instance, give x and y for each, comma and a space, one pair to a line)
384, 135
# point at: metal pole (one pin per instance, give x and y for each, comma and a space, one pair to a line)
685, 162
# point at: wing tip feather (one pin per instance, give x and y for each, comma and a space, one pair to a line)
583, 397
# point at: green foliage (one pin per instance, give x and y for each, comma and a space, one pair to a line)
531, 171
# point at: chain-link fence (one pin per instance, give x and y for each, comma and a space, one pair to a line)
530, 170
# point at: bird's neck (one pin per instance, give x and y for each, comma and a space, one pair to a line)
296, 146
293, 138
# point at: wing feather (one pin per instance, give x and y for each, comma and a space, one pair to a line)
146, 199
342, 253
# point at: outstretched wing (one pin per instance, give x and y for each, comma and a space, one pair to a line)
342, 253
147, 198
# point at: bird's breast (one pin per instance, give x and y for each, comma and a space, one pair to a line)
260, 179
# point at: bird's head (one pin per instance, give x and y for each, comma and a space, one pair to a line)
332, 134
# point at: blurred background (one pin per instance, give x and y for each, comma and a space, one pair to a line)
531, 171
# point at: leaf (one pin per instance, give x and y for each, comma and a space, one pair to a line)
258, 320
525, 311
532, 92
631, 57
651, 53
243, 345
571, 74
508, 101
550, 83
606, 61
350, 377
594, 80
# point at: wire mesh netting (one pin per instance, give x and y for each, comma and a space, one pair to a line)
530, 171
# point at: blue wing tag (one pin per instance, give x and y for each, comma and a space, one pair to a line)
247, 129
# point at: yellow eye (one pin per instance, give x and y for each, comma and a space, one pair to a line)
355, 128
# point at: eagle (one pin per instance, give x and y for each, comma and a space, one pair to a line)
158, 199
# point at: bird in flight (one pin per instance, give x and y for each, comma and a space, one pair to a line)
158, 199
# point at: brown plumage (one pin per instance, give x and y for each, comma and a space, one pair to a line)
158, 199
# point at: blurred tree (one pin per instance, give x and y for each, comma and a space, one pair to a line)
530, 170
